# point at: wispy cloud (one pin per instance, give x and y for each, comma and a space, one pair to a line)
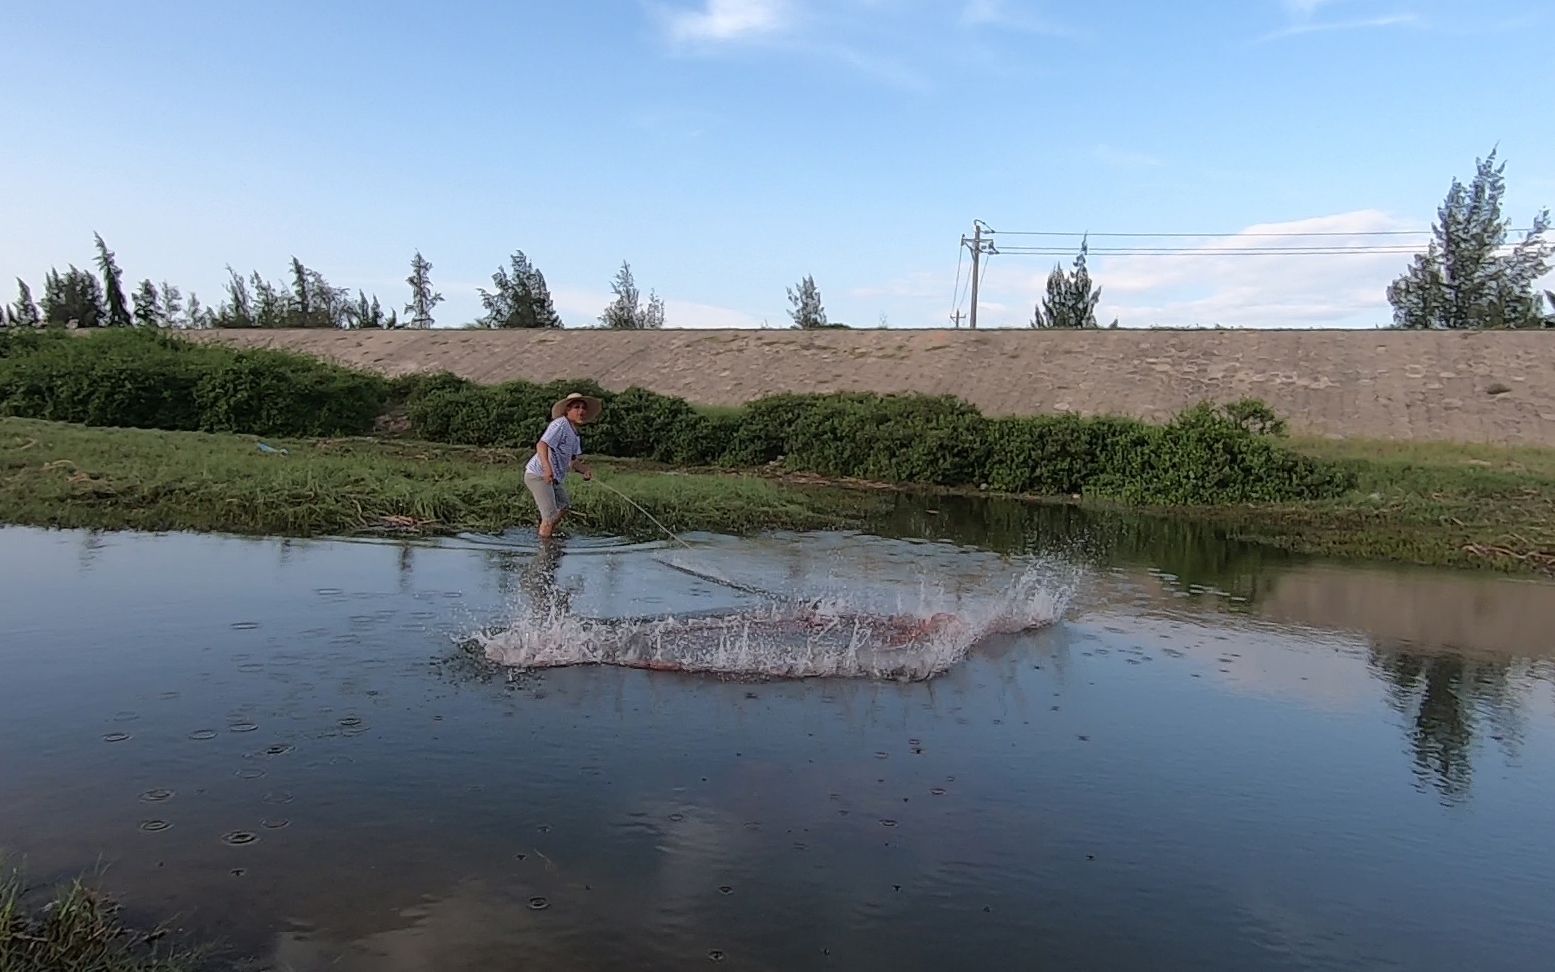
1364, 23
722, 21
846, 34
1001, 14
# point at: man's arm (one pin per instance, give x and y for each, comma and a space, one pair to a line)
544, 449
583, 468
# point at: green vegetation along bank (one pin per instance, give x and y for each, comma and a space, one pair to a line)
436, 453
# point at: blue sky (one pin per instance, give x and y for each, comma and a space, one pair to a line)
726, 148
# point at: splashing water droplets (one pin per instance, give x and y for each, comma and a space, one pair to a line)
852, 634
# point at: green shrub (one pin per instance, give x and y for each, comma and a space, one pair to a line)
408, 388
648, 425
1057, 454
118, 378
936, 440
139, 379
1207, 456
25, 340
271, 393
763, 428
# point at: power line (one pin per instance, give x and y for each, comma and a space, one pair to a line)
1213, 252
955, 292
1185, 236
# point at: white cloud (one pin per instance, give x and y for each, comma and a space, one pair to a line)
998, 13
1234, 281
727, 20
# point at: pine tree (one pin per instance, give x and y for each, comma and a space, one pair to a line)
272, 302
196, 316
622, 313
1071, 300
302, 302
74, 299
237, 311
652, 316
148, 306
172, 305
366, 313
807, 311
627, 311
24, 313
521, 298
1464, 279
422, 297
113, 285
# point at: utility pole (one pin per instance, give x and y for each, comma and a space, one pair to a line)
957, 317
979, 246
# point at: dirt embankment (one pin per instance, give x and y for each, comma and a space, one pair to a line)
1496, 387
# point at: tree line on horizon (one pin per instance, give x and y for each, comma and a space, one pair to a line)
518, 298
1469, 277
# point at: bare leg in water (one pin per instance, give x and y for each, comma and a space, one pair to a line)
538, 579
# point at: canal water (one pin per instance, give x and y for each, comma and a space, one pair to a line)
1139, 746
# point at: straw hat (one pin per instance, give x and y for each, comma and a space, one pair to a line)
590, 413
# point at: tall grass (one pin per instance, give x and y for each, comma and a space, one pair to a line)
59, 475
79, 929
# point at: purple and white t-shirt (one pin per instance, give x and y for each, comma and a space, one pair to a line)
565, 445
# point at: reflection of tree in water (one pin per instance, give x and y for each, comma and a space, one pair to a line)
1445, 695
1195, 553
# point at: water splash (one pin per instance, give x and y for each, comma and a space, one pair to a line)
839, 634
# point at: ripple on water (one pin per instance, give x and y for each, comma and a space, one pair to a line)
203, 734
538, 903
241, 727
114, 737
239, 837
156, 795
154, 826
244, 625
278, 797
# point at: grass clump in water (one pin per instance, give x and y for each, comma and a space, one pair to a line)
79, 929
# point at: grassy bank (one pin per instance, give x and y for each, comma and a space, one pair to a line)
1425, 503
1470, 506
52, 474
